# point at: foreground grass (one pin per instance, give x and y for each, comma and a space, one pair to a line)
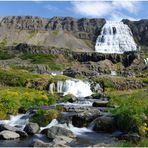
131, 109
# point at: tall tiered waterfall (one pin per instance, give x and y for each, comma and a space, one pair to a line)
116, 37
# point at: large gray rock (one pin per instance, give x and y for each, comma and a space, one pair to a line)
39, 143
104, 123
56, 131
8, 127
31, 128
85, 117
8, 135
14, 129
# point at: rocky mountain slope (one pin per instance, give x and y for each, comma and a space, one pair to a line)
66, 32
63, 32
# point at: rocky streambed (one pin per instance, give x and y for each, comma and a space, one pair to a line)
84, 122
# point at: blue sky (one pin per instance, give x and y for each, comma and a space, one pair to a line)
112, 10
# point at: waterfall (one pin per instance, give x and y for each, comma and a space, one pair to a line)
60, 86
146, 61
51, 88
116, 37
78, 88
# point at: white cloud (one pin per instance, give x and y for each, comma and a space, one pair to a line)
92, 8
113, 9
131, 6
51, 7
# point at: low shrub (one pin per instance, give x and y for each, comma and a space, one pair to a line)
44, 117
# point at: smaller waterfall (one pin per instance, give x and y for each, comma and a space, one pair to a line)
78, 88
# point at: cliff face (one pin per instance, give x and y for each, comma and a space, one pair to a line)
139, 30
65, 32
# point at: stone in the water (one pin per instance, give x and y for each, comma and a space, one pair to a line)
7, 127
100, 103
55, 131
22, 133
132, 137
104, 123
39, 143
31, 128
8, 135
83, 119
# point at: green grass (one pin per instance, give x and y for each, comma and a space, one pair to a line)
24, 78
47, 59
142, 143
5, 55
12, 99
131, 109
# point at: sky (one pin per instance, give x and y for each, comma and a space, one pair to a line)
110, 10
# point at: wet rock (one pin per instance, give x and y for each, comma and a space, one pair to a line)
84, 118
14, 129
70, 72
100, 103
132, 137
56, 131
61, 141
31, 128
104, 123
21, 133
7, 127
8, 135
39, 143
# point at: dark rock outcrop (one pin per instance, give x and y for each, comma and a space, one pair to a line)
104, 123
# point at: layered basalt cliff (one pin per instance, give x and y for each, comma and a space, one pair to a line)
66, 32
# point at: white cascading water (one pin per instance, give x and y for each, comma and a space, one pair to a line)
116, 37
78, 88
75, 130
18, 120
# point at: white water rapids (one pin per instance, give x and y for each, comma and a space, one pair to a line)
116, 37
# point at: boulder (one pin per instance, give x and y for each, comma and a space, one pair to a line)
132, 137
61, 141
14, 129
100, 103
104, 123
39, 143
31, 128
56, 131
84, 118
8, 135
8, 127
